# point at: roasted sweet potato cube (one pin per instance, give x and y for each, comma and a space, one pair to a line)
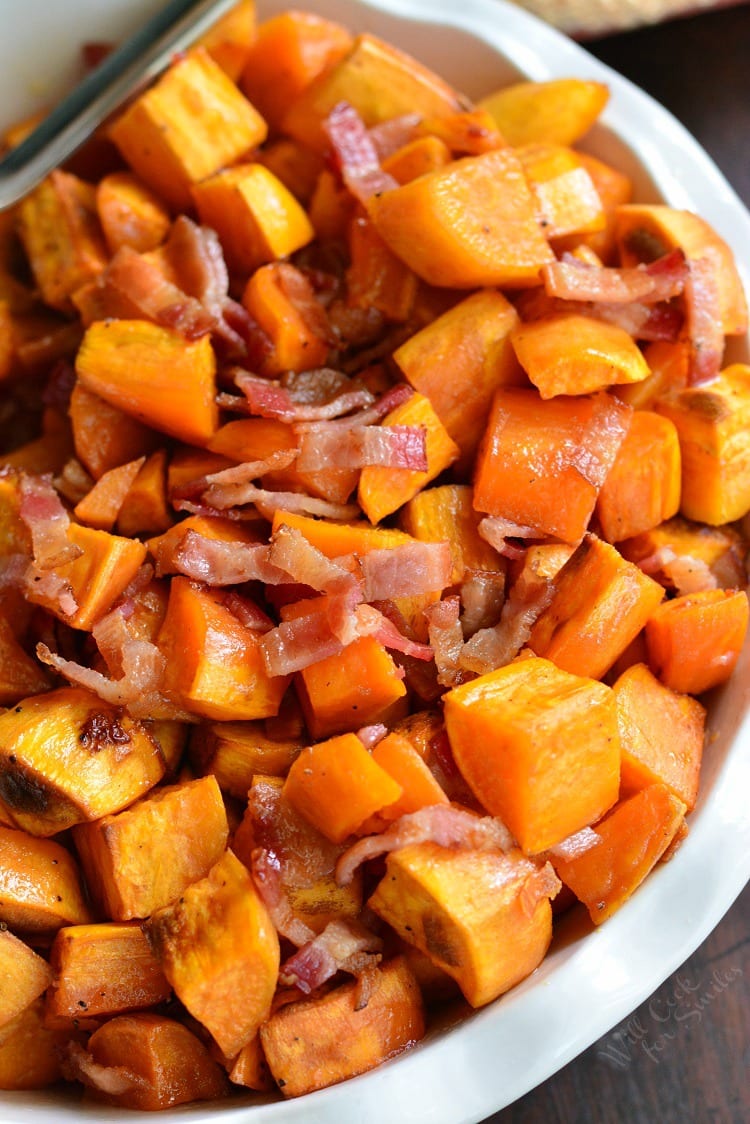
40, 885
186, 127
416, 157
694, 640
484, 917
538, 746
235, 752
142, 858
214, 662
29, 1051
145, 509
359, 686
20, 675
24, 973
541, 463
282, 300
218, 948
642, 489
568, 200
661, 735
712, 425
130, 213
337, 784
230, 39
60, 231
558, 111
446, 514
101, 506
607, 864
104, 436
379, 81
159, 1061
163, 547
321, 1041
459, 360
470, 224
250, 1068
67, 757
154, 374
257, 218
572, 354
102, 970
384, 490
335, 539
600, 604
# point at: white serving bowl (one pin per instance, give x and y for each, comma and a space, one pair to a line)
584, 987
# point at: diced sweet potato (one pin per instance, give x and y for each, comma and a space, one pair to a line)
154, 374
142, 858
712, 425
24, 973
471, 224
29, 1051
694, 641
558, 111
40, 886
446, 514
600, 604
219, 950
538, 746
716, 552
661, 735
337, 785
568, 200
483, 917
102, 970
620, 851
323, 1040
130, 213
160, 1063
67, 757
235, 752
186, 127
105, 436
20, 675
643, 487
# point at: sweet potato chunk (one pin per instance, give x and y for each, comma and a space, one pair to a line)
694, 641
661, 734
40, 885
538, 746
29, 1051
604, 868
558, 111
483, 917
643, 487
235, 752
319, 1042
470, 224
187, 126
102, 970
145, 856
24, 973
218, 948
67, 757
158, 1061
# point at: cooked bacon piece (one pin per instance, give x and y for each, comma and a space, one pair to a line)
344, 945
371, 622
42, 510
406, 570
356, 154
482, 594
685, 572
371, 735
330, 445
490, 648
443, 824
389, 136
642, 321
247, 612
303, 563
53, 588
703, 321
219, 563
575, 280
304, 640
266, 872
497, 531
447, 639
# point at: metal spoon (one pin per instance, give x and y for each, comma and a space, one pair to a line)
122, 73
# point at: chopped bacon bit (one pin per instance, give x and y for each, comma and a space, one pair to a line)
371, 735
265, 398
443, 824
247, 612
355, 153
54, 588
490, 648
497, 531
577, 844
575, 280
541, 883
389, 136
703, 322
344, 945
266, 872
297, 643
482, 594
371, 622
685, 572
220, 563
407, 570
447, 639
329, 445
47, 520
303, 563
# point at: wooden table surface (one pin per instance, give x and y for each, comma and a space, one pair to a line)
682, 1057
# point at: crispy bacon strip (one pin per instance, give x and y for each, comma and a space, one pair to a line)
220, 563
407, 570
266, 872
575, 280
443, 824
42, 510
113, 1080
356, 154
446, 638
267, 398
703, 321
344, 945
328, 445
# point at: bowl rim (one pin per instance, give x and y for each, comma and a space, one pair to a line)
489, 1060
